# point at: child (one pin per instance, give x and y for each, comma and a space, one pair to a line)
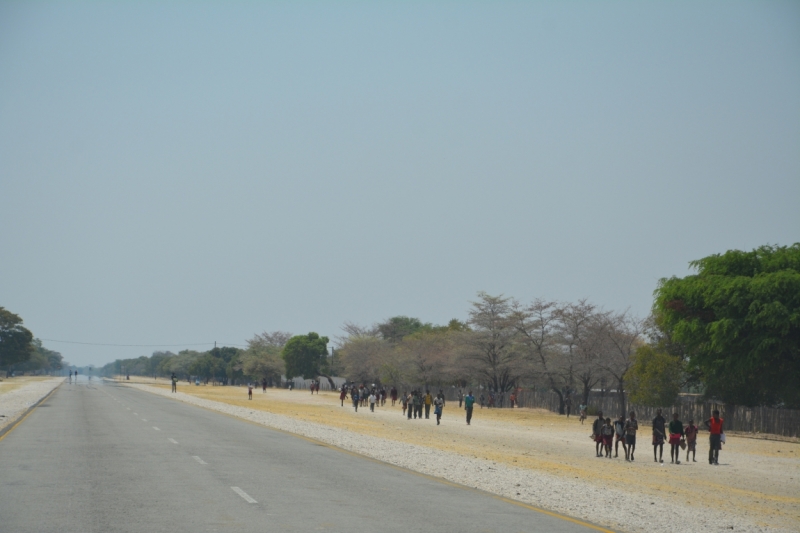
607, 432
691, 440
372, 401
675, 438
582, 409
249, 392
619, 430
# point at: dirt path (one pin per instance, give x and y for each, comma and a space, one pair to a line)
756, 479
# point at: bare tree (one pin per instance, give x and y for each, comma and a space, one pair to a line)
536, 327
622, 334
428, 356
275, 339
578, 326
490, 350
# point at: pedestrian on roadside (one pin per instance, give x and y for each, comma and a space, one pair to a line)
607, 431
460, 398
428, 400
393, 394
356, 399
249, 391
568, 405
619, 432
631, 426
174, 381
659, 434
263, 385
411, 406
714, 425
482, 400
582, 409
675, 437
372, 401
469, 403
597, 435
438, 405
691, 440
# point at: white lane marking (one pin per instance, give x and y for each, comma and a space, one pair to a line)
173, 441
136, 414
243, 494
128, 408
156, 428
144, 420
196, 458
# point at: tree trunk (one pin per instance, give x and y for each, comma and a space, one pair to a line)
621, 392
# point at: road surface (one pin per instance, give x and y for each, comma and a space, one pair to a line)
100, 457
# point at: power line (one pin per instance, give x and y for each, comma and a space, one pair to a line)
142, 345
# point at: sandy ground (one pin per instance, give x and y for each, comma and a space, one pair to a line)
18, 394
757, 480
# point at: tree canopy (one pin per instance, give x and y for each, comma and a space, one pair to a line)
305, 355
738, 320
16, 341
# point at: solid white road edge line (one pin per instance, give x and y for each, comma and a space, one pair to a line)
243, 494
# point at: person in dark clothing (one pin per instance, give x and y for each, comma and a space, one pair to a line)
355, 398
469, 403
631, 426
597, 426
675, 437
659, 433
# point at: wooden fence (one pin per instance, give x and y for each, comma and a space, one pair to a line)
783, 422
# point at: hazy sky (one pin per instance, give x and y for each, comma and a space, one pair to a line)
190, 172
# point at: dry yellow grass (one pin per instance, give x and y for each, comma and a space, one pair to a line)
9, 384
760, 479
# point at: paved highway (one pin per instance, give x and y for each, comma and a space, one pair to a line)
103, 458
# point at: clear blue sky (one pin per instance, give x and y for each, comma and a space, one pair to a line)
188, 172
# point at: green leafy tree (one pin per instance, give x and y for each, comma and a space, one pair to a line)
394, 329
738, 320
655, 378
16, 342
306, 355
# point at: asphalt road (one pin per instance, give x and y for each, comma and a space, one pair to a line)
100, 457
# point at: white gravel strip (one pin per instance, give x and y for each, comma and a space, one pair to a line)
605, 506
14, 403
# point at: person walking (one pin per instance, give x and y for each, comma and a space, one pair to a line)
410, 402
263, 385
631, 426
249, 391
675, 438
714, 426
568, 405
482, 400
607, 431
659, 434
691, 440
438, 405
393, 394
619, 432
469, 403
174, 382
597, 435
372, 400
428, 402
460, 398
343, 394
582, 409
356, 399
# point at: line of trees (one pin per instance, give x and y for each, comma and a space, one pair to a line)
731, 331
21, 352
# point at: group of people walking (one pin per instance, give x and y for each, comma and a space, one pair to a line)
413, 403
607, 434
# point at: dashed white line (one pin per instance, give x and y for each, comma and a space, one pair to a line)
156, 428
243, 494
173, 441
144, 420
136, 414
196, 458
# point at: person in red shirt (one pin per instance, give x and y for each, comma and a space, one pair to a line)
714, 425
691, 440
